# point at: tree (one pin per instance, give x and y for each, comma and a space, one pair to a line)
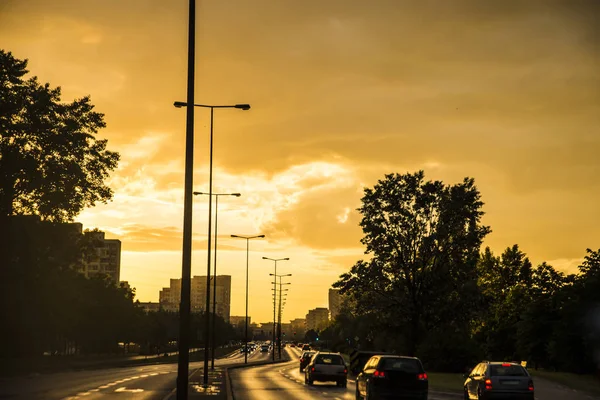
424, 240
51, 161
504, 283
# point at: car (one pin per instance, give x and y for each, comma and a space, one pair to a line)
305, 359
392, 377
498, 380
264, 348
327, 367
292, 345
305, 347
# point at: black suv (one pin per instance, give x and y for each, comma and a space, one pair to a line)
392, 377
498, 380
305, 359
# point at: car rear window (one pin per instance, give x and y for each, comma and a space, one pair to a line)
513, 370
329, 360
402, 364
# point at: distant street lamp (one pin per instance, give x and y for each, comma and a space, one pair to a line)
248, 238
180, 104
274, 286
281, 290
214, 310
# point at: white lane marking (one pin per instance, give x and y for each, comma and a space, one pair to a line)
124, 389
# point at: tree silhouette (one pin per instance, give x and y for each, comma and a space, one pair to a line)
424, 238
51, 161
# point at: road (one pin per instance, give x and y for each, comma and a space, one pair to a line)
156, 382
140, 382
285, 382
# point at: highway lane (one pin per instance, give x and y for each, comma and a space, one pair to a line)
140, 382
285, 382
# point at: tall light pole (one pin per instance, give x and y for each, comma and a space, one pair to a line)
180, 104
275, 287
281, 290
248, 238
183, 357
214, 310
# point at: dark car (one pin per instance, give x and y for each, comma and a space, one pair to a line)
392, 377
326, 367
306, 347
305, 359
498, 380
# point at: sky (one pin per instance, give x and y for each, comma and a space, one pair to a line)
342, 93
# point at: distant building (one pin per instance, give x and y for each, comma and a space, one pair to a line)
297, 328
317, 318
105, 259
150, 306
236, 320
335, 302
170, 297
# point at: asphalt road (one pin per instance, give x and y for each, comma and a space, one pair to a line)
285, 382
141, 382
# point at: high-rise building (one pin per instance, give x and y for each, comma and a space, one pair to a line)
317, 318
335, 302
104, 259
170, 297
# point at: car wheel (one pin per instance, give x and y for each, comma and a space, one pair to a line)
345, 383
301, 370
305, 379
310, 382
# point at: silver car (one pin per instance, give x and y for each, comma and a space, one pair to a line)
498, 380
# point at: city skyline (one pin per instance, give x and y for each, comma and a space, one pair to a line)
363, 102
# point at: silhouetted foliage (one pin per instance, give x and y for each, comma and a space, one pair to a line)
424, 238
428, 291
51, 161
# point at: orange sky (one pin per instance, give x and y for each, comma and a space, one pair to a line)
342, 92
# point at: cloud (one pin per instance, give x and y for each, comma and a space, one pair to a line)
144, 238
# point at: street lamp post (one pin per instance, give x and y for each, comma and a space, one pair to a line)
275, 287
247, 264
281, 290
180, 104
186, 264
214, 310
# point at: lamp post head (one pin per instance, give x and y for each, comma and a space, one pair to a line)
180, 104
260, 236
236, 194
244, 107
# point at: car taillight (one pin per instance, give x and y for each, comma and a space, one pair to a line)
379, 374
422, 377
506, 364
312, 369
302, 360
488, 384
531, 386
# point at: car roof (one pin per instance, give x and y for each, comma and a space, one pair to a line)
394, 356
328, 353
503, 362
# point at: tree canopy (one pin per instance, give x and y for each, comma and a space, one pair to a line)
52, 162
424, 239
